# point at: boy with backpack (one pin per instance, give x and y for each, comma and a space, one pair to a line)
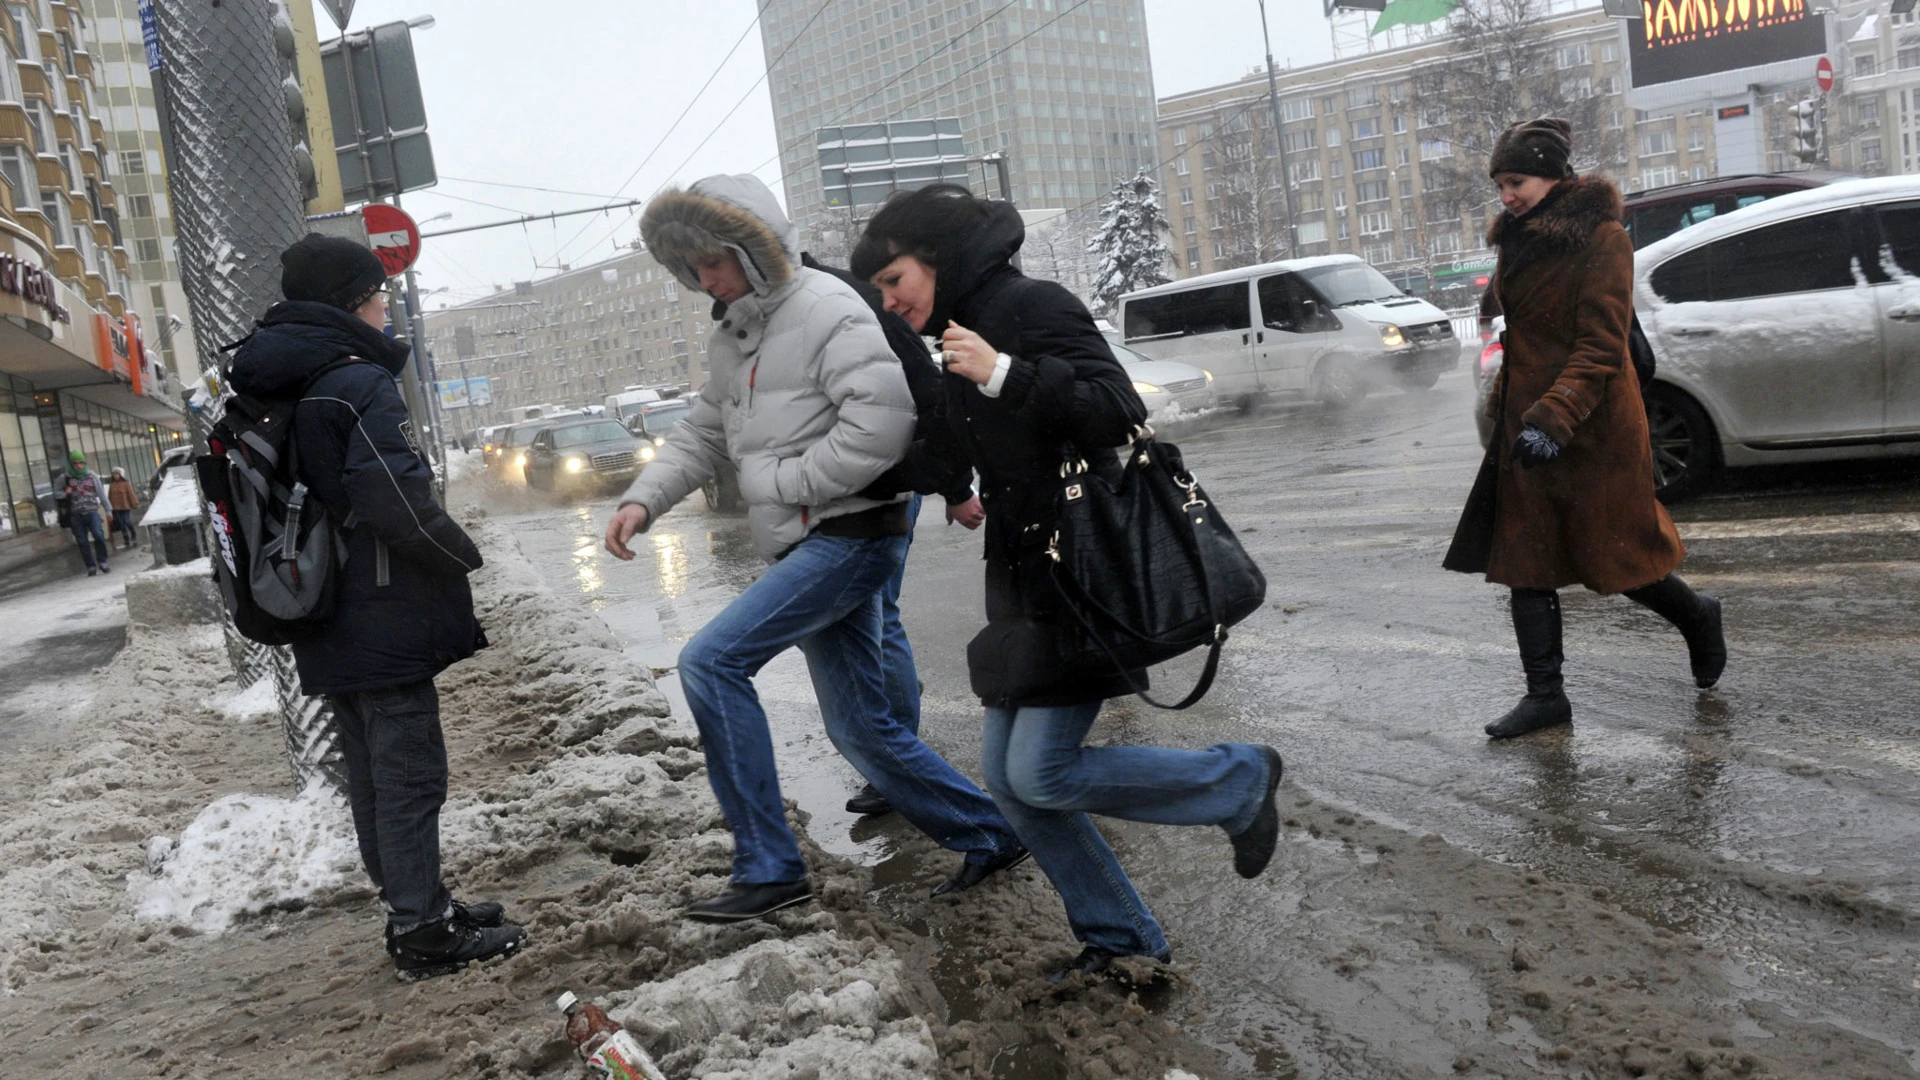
318, 443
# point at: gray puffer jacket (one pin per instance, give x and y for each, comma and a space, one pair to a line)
803, 395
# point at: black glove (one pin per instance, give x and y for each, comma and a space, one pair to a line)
1534, 448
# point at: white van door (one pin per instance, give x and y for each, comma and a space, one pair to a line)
1210, 327
1292, 333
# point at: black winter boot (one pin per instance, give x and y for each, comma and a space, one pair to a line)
1698, 618
1536, 625
447, 946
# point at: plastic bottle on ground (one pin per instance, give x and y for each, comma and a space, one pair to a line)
609, 1050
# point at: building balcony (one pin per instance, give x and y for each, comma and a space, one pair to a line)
36, 223
14, 129
33, 81
68, 267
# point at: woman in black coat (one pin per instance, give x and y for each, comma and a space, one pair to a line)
1029, 380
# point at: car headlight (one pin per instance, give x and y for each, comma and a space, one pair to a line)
659, 440
1391, 337
1208, 374
646, 453
575, 464
519, 459
1144, 387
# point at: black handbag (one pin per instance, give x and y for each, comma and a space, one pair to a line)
1147, 567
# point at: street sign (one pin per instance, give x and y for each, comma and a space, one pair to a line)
379, 116
393, 236
1823, 74
341, 10
864, 164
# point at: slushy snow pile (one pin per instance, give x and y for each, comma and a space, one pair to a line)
246, 854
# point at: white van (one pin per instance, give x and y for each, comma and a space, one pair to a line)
627, 404
1330, 326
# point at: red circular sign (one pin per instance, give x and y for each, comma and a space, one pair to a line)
393, 236
1823, 74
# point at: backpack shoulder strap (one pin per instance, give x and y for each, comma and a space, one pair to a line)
345, 361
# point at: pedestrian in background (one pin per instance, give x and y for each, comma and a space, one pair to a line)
808, 402
1565, 495
85, 498
124, 500
403, 612
1028, 375
926, 470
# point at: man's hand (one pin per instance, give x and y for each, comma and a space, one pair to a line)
969, 513
627, 521
967, 354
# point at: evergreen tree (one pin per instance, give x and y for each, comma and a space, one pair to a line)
1131, 243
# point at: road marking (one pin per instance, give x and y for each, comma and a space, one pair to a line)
1827, 525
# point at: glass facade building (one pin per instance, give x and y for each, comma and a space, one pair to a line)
1064, 88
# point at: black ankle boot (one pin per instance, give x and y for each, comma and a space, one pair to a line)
1536, 626
1697, 616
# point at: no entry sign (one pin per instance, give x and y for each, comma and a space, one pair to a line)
393, 236
1823, 74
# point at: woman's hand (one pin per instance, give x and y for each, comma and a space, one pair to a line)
967, 354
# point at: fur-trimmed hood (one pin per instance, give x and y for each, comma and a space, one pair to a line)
1565, 220
738, 213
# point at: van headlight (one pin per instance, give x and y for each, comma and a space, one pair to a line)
1391, 337
1208, 374
519, 459
575, 464
646, 453
1144, 387
659, 440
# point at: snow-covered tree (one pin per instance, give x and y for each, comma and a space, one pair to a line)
1131, 243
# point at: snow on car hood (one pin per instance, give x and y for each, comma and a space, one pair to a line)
1398, 312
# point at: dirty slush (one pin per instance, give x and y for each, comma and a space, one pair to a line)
126, 934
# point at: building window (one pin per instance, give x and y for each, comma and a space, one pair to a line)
1609, 52
1370, 191
1656, 142
1363, 160
1301, 172
1404, 155
19, 170
1864, 65
1362, 96
1907, 58
1868, 111
1180, 136
1377, 253
1433, 149
1375, 222
1180, 167
1661, 177
1446, 243
1573, 56
1186, 196
1333, 136
1298, 142
1869, 151
1297, 109
1366, 128
1399, 123
1312, 232
1696, 140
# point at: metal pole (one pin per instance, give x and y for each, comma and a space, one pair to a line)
1279, 138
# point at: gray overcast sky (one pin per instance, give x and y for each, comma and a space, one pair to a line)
572, 95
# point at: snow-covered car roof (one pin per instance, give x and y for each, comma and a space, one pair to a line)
1780, 207
1220, 277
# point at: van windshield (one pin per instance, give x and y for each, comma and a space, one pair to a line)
1344, 284
656, 421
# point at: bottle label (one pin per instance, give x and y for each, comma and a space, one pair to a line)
621, 1058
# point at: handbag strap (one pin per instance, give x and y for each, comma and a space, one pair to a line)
1195, 513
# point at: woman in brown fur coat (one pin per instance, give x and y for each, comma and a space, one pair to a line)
1565, 496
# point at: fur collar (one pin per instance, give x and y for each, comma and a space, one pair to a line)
1566, 223
684, 228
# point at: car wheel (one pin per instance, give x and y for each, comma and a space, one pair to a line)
1338, 384
1417, 382
722, 494
1684, 457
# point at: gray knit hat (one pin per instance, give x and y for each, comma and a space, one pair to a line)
1534, 148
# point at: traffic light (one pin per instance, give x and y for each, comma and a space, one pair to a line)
1806, 131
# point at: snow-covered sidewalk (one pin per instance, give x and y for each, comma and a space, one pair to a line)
57, 633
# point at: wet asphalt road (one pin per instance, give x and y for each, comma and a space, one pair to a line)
1373, 671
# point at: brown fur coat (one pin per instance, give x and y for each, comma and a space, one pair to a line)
1589, 517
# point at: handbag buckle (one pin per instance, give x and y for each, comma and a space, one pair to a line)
1053, 546
1192, 487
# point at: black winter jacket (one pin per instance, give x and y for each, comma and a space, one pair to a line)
932, 465
359, 455
1064, 392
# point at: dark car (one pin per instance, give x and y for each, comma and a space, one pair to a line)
1658, 213
578, 454
509, 453
653, 422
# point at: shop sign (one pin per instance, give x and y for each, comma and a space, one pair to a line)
110, 345
140, 366
32, 284
1684, 39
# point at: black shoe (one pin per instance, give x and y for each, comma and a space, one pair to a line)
869, 801
1707, 645
105, 569
449, 945
741, 902
1253, 846
971, 874
486, 914
1536, 712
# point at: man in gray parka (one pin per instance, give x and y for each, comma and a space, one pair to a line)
808, 401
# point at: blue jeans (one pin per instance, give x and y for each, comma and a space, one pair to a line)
896, 654
823, 596
1046, 783
86, 525
396, 759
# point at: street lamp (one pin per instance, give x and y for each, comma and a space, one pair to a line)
444, 215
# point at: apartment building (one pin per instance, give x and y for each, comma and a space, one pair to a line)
1367, 153
1064, 88
75, 370
574, 338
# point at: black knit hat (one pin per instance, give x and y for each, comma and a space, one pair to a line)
331, 270
1534, 148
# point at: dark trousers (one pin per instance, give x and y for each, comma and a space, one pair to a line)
123, 523
86, 526
396, 783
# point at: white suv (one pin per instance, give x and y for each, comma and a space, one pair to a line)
1785, 332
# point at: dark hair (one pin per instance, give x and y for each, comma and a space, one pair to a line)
916, 223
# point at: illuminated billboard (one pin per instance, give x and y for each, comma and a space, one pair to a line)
1684, 39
